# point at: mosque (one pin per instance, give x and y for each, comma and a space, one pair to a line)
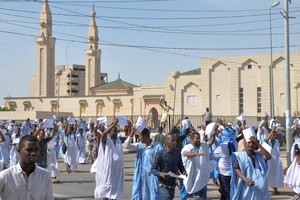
229, 86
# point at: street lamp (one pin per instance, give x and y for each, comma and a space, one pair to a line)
296, 86
271, 66
175, 75
288, 79
58, 74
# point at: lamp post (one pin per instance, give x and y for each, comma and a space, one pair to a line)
175, 75
296, 86
288, 87
58, 74
271, 65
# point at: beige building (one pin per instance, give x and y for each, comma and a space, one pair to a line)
228, 85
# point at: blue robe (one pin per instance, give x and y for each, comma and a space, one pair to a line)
145, 184
239, 189
214, 174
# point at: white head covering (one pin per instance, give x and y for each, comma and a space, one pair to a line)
296, 122
210, 129
241, 118
266, 114
248, 133
2, 123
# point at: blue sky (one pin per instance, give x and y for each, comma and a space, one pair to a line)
143, 40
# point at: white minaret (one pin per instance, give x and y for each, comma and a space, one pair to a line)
92, 57
45, 49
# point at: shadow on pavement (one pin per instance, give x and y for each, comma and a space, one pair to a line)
82, 197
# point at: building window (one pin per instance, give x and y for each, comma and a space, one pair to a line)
218, 97
259, 99
191, 100
241, 100
282, 95
249, 66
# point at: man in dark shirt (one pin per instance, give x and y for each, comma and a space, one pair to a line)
167, 160
43, 140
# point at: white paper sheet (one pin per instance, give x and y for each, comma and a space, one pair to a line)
181, 176
48, 123
266, 147
140, 125
102, 120
122, 121
71, 120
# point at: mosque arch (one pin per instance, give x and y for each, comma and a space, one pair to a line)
153, 118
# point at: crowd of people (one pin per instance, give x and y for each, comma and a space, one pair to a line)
242, 162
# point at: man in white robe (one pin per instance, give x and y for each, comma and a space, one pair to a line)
263, 128
15, 139
2, 160
80, 143
196, 161
110, 165
293, 173
52, 166
274, 164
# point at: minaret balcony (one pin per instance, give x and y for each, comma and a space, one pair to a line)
90, 52
40, 40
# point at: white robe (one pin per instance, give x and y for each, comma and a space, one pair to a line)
14, 155
262, 132
109, 170
2, 155
275, 169
52, 166
5, 147
81, 153
70, 155
198, 168
292, 177
293, 173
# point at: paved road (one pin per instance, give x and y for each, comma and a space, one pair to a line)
81, 183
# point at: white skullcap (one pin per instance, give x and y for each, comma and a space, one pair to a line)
248, 133
1, 123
